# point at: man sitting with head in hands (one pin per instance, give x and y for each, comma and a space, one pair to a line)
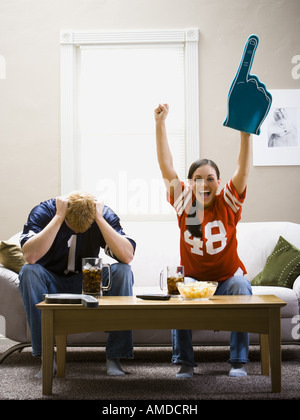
57, 235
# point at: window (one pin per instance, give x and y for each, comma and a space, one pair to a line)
111, 83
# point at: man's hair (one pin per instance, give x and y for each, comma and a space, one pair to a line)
81, 211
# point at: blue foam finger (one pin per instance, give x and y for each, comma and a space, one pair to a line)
248, 101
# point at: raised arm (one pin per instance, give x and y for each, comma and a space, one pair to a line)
164, 155
240, 177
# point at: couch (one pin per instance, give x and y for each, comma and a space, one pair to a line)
269, 250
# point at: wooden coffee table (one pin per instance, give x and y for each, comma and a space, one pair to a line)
256, 314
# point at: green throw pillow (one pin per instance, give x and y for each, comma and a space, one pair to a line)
282, 266
11, 256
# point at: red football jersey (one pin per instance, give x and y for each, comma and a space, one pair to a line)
213, 257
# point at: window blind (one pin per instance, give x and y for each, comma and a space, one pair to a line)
119, 87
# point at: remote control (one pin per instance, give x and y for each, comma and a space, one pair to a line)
154, 297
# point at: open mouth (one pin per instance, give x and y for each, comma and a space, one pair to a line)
204, 193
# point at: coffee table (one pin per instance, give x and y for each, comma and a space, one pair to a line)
256, 314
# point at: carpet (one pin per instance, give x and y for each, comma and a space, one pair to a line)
149, 376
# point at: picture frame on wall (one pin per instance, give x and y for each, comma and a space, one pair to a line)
279, 141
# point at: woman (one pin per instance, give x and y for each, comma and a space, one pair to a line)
208, 244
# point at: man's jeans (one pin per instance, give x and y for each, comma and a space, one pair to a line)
35, 281
239, 341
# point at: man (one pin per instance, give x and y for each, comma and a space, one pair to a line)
58, 234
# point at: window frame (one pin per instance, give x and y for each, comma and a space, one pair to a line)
71, 41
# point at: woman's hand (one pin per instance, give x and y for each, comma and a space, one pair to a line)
161, 112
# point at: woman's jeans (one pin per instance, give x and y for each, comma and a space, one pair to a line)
239, 341
35, 281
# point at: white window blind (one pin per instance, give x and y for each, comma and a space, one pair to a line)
119, 87
110, 84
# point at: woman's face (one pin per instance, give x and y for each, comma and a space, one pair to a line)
205, 184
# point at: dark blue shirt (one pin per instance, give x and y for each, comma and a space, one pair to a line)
88, 244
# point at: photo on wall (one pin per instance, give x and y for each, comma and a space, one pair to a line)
279, 141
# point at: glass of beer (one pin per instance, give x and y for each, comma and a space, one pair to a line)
169, 277
92, 277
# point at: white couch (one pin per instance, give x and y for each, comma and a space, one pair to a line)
158, 246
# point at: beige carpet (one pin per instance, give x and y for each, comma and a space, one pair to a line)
150, 376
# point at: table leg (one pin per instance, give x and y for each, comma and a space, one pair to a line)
61, 343
264, 354
275, 348
47, 351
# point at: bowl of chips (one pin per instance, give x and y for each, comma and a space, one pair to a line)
197, 289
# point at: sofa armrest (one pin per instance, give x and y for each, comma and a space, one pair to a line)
296, 286
12, 308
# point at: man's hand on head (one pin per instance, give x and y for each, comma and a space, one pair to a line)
62, 206
99, 209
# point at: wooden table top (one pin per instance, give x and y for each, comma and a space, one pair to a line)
259, 301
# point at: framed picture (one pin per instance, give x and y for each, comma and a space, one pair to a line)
279, 140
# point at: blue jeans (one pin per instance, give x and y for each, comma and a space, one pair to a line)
239, 341
35, 281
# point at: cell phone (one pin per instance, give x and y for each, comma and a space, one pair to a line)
154, 296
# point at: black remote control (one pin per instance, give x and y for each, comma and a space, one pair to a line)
154, 296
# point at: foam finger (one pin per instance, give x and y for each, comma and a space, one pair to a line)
247, 58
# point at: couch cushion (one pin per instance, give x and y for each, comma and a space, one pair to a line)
282, 266
287, 295
11, 256
257, 240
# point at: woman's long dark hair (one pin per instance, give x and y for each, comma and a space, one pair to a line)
194, 228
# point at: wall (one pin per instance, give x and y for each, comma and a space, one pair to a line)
30, 94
